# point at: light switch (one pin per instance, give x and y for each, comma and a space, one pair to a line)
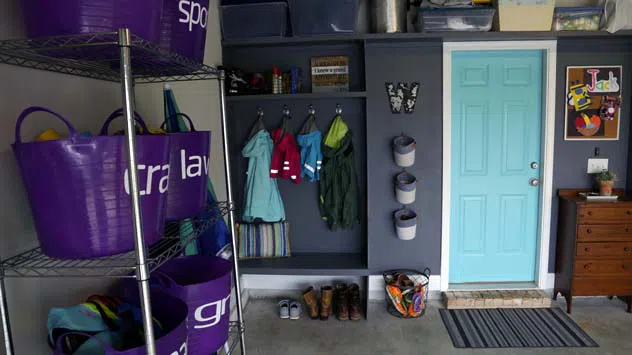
597, 165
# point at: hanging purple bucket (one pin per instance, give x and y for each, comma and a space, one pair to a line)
78, 190
203, 283
188, 172
69, 17
170, 312
183, 27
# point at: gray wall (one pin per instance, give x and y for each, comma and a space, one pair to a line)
421, 60
404, 62
571, 157
308, 232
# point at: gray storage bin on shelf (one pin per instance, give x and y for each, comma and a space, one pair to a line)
310, 17
254, 20
438, 20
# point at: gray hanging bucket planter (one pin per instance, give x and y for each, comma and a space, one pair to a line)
405, 188
404, 151
405, 224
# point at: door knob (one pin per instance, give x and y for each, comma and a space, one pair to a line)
534, 165
534, 182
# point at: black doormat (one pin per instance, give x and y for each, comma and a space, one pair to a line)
514, 328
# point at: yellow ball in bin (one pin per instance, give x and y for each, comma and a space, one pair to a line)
48, 135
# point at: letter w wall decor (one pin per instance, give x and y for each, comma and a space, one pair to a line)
403, 95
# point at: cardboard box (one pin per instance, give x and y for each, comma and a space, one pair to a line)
524, 15
330, 74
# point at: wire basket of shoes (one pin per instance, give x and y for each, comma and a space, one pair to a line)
406, 292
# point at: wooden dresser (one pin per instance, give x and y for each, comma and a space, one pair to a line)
594, 248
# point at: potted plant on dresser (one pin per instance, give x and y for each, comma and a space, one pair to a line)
605, 179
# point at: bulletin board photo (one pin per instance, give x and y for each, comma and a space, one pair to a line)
593, 102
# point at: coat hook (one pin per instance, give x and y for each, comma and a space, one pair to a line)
310, 110
338, 109
286, 111
259, 112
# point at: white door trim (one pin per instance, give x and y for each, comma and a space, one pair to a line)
547, 141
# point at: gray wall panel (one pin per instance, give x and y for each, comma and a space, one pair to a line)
571, 157
309, 234
405, 62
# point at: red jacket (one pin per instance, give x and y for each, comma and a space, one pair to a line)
286, 157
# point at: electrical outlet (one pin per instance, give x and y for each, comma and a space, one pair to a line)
597, 165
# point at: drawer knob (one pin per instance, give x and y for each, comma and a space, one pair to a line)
628, 212
627, 230
588, 230
586, 249
587, 266
627, 249
589, 213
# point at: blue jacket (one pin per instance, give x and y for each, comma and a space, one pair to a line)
311, 154
262, 197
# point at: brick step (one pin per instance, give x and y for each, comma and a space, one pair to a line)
496, 299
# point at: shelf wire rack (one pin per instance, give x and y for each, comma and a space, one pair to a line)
234, 332
97, 56
176, 237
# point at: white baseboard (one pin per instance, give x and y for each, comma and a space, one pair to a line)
258, 286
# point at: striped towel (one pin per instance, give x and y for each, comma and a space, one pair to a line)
266, 240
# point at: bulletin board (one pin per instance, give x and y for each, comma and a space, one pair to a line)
593, 102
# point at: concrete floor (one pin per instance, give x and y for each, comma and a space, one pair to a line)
604, 320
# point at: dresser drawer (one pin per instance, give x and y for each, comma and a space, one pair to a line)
604, 215
604, 233
602, 286
591, 250
597, 267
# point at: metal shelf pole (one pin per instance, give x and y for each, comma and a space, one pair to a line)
231, 213
142, 270
4, 312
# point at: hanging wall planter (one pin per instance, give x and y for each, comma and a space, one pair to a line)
405, 224
404, 151
405, 188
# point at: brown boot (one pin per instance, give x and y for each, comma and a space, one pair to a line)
311, 301
342, 302
355, 302
326, 296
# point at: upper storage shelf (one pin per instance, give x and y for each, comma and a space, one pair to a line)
430, 36
97, 56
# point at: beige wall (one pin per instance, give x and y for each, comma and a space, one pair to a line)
86, 103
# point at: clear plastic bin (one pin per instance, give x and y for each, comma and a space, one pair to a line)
254, 20
577, 18
310, 17
437, 20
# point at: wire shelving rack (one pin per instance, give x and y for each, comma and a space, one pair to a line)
127, 59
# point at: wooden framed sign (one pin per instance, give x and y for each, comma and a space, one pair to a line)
593, 102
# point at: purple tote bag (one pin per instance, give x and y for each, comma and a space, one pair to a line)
188, 173
171, 312
70, 17
183, 27
78, 191
203, 283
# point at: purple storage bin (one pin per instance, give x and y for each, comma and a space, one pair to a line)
69, 17
183, 27
170, 311
77, 190
188, 172
203, 283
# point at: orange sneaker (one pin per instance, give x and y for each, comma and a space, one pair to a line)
396, 298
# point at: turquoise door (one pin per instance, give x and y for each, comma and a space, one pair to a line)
495, 150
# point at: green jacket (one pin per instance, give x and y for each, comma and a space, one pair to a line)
338, 180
